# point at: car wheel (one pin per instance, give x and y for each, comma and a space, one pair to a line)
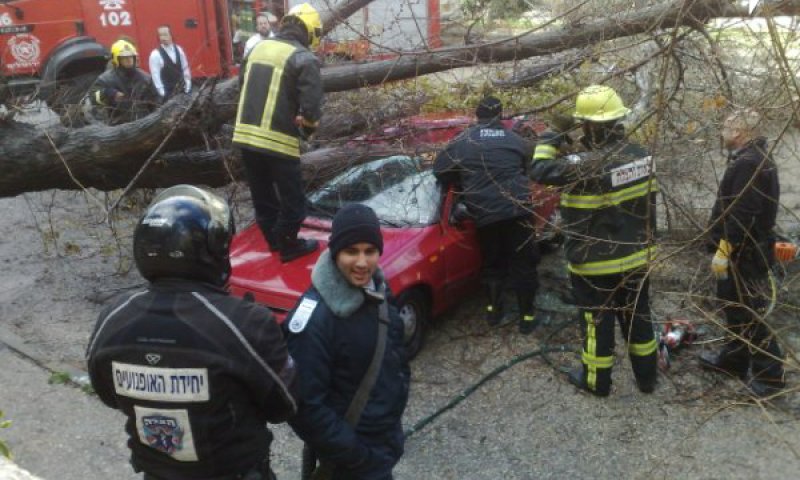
414, 312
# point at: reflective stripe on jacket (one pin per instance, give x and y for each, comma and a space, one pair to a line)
608, 208
281, 80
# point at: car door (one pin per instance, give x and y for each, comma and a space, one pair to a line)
459, 249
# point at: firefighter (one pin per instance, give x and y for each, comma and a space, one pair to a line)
124, 92
169, 66
742, 228
608, 210
488, 164
352, 425
197, 372
280, 105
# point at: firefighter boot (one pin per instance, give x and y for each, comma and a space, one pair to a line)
645, 370
292, 247
732, 359
766, 376
527, 317
494, 309
577, 377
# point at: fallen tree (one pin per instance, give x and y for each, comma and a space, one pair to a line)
105, 158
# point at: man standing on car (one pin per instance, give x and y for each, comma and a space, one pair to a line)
169, 66
742, 223
197, 372
280, 104
608, 212
487, 163
352, 366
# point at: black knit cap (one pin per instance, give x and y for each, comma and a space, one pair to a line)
489, 107
354, 223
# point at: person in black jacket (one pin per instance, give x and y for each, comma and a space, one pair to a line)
280, 104
332, 335
742, 228
124, 93
197, 372
488, 165
609, 219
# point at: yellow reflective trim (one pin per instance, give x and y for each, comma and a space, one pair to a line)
609, 199
275, 54
268, 144
544, 152
616, 265
643, 349
528, 318
591, 349
99, 97
597, 362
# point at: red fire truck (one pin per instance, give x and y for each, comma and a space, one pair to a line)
53, 50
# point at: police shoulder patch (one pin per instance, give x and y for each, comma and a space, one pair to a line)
301, 315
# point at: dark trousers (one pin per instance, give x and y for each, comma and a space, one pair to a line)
276, 186
509, 252
603, 299
745, 297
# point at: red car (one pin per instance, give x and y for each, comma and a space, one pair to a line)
431, 257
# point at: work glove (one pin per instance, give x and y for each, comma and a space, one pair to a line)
307, 127
719, 265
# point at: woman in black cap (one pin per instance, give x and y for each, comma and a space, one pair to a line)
353, 373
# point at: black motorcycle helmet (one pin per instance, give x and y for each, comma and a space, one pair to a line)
185, 233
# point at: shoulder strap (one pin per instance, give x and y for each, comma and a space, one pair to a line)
353, 414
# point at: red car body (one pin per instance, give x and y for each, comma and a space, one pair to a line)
430, 267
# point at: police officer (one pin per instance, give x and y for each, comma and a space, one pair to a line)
197, 372
280, 104
741, 225
124, 92
608, 209
488, 164
333, 334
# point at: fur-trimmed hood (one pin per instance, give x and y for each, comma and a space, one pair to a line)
341, 297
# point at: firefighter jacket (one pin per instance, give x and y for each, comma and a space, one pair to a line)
198, 373
608, 205
747, 202
140, 97
332, 336
281, 80
488, 164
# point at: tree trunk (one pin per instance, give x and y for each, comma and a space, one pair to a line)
106, 158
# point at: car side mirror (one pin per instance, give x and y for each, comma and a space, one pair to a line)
459, 213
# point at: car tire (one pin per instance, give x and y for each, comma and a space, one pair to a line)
414, 310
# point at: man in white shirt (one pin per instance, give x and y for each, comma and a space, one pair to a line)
264, 23
169, 66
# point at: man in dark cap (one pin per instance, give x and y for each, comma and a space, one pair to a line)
352, 368
487, 164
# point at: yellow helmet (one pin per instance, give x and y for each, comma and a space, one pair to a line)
122, 48
598, 103
309, 18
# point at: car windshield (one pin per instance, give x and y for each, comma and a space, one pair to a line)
401, 190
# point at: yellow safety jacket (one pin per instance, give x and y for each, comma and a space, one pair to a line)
281, 80
607, 207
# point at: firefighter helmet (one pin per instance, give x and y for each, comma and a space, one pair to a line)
308, 16
598, 103
185, 233
122, 48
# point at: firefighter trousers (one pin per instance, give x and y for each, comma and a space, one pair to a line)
744, 297
276, 187
602, 299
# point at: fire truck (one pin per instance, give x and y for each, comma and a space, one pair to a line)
54, 50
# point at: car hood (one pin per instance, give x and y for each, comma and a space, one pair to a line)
278, 285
